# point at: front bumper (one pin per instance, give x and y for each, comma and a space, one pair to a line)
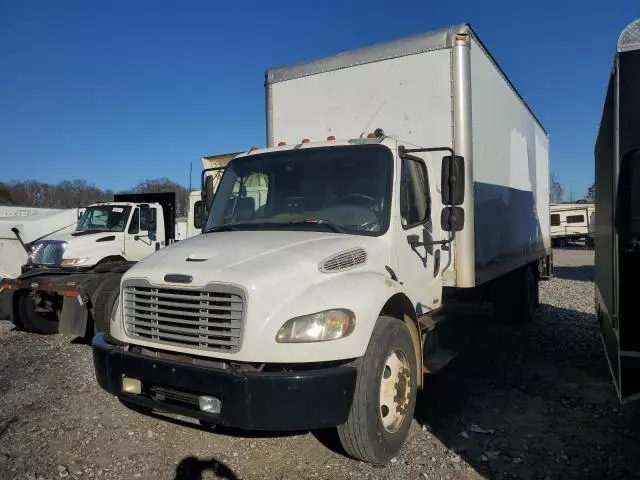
268, 401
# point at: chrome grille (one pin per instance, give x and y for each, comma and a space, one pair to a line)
200, 319
47, 252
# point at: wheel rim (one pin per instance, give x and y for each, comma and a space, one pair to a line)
395, 390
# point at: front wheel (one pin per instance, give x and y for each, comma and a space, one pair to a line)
103, 300
385, 395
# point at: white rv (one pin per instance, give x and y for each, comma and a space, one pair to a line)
571, 222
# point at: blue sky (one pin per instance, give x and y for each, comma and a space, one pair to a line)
119, 91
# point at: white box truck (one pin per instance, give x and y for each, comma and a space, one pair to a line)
393, 174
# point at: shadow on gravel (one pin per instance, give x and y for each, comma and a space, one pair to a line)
218, 429
582, 273
533, 401
328, 437
192, 468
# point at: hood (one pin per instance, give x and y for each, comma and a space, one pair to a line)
92, 245
247, 258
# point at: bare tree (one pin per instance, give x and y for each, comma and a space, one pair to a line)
165, 185
591, 193
556, 192
5, 195
77, 193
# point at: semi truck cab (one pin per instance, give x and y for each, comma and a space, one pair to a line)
110, 231
305, 249
67, 278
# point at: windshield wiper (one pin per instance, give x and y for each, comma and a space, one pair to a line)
317, 221
257, 225
225, 228
86, 232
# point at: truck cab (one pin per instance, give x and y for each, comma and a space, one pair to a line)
110, 231
68, 277
310, 252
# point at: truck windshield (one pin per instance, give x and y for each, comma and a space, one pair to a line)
104, 218
342, 189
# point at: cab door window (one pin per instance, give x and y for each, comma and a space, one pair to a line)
134, 226
415, 202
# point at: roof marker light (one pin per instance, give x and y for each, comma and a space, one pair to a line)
305, 140
330, 138
282, 144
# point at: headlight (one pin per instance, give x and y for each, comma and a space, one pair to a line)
72, 262
35, 249
318, 327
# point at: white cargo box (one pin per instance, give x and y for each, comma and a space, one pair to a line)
408, 88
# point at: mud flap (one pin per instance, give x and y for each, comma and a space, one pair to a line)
624, 363
6, 305
74, 317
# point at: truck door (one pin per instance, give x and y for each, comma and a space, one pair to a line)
139, 242
419, 262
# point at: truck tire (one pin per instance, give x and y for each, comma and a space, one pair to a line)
103, 300
31, 321
518, 299
385, 395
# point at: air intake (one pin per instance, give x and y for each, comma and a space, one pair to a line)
343, 261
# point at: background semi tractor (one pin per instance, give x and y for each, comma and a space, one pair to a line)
69, 279
398, 178
617, 169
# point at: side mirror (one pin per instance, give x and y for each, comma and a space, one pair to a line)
452, 181
198, 215
207, 194
452, 219
413, 240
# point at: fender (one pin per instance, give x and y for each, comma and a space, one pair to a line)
365, 293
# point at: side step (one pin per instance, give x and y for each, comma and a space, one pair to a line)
445, 334
438, 359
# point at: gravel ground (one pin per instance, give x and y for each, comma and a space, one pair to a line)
521, 402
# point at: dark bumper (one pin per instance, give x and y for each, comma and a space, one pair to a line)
275, 401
